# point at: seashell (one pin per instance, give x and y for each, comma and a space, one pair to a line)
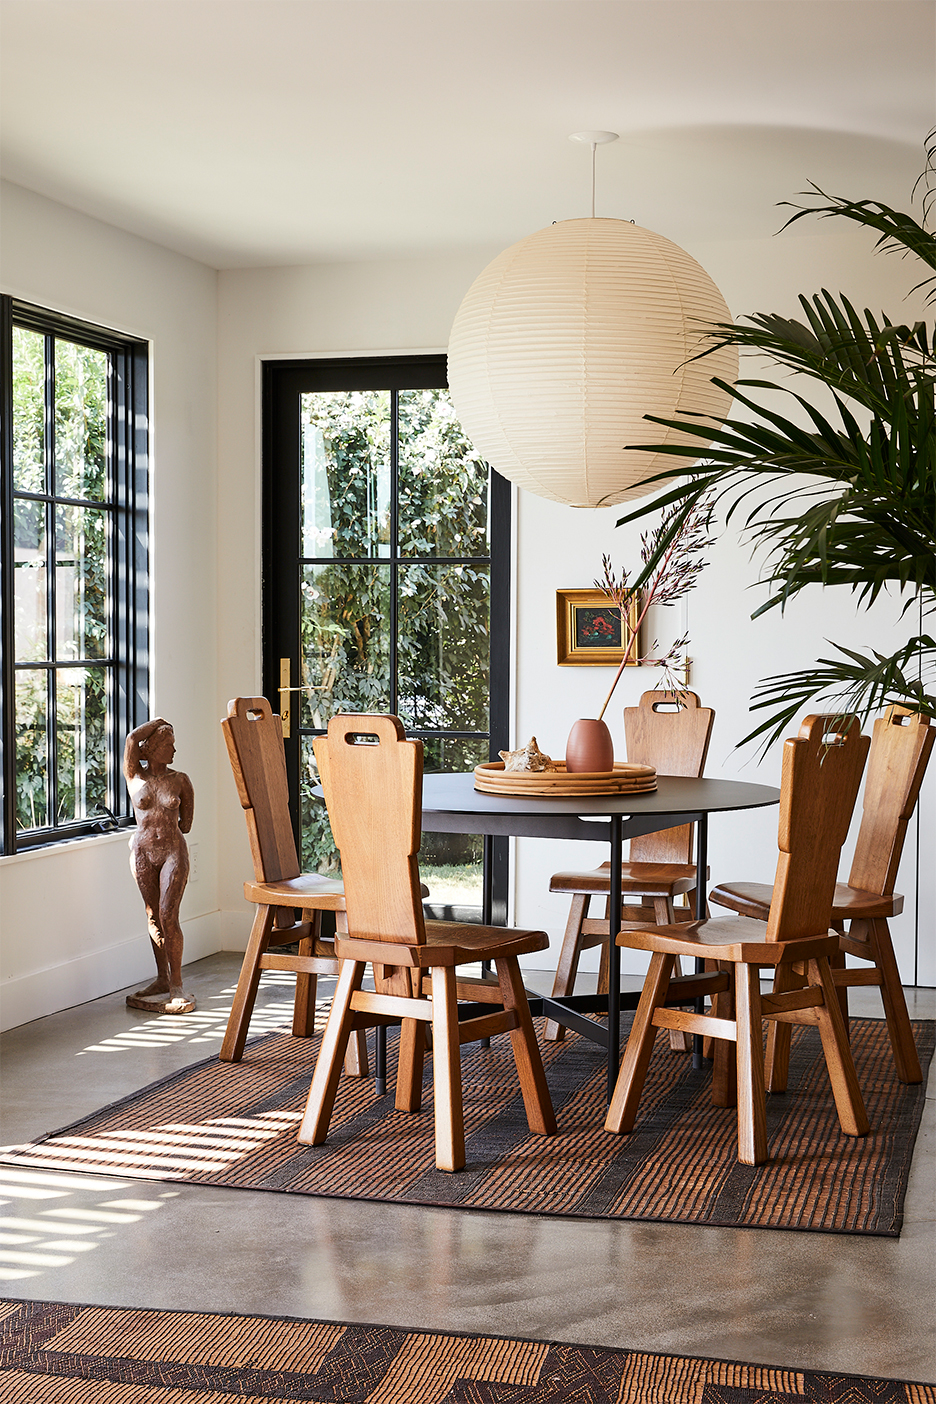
528, 757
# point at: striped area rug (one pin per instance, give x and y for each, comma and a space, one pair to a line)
55, 1353
235, 1124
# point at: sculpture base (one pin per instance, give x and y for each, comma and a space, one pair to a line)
162, 1003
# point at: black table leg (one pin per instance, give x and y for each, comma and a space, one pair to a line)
487, 906
487, 890
614, 952
701, 895
380, 1059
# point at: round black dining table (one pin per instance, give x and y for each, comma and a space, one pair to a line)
451, 805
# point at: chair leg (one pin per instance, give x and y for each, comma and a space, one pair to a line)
779, 1033
849, 1103
724, 1056
536, 1099
306, 985
446, 1071
322, 1093
622, 1112
720, 1006
752, 1096
604, 967
899, 1027
567, 967
664, 915
410, 1068
355, 1062
838, 962
235, 1035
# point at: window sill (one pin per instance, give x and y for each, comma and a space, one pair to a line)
59, 845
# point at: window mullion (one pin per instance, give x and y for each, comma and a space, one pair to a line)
394, 547
134, 519
7, 675
116, 641
51, 593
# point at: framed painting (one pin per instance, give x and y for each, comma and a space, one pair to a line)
588, 630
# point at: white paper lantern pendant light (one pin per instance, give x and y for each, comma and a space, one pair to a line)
568, 339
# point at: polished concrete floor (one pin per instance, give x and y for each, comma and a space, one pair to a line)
819, 1301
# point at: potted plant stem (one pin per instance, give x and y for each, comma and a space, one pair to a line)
672, 559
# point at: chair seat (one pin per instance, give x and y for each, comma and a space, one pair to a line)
637, 879
735, 939
447, 943
851, 902
306, 890
752, 899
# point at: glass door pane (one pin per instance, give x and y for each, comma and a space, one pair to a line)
345, 641
345, 474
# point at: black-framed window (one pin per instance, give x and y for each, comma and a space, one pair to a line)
385, 585
73, 585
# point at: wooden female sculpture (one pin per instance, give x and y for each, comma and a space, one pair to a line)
164, 804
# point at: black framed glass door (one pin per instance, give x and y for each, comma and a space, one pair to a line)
385, 588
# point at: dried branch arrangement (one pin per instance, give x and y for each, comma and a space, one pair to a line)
675, 575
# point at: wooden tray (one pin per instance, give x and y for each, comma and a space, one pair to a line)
625, 779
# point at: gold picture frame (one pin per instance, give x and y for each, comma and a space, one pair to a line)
588, 630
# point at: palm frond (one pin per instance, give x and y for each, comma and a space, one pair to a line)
846, 505
850, 683
870, 360
898, 232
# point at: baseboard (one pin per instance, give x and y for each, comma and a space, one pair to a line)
97, 973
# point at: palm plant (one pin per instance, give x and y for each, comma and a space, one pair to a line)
852, 496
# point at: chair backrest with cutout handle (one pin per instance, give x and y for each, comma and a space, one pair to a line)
901, 744
372, 778
671, 731
819, 785
253, 734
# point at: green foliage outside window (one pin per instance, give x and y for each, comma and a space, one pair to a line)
442, 600
70, 539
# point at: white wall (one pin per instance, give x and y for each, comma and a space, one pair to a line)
72, 924
410, 305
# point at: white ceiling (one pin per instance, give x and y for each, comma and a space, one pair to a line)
259, 132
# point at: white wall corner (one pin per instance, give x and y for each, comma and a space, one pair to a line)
93, 974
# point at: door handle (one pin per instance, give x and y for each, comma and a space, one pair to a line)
285, 706
285, 691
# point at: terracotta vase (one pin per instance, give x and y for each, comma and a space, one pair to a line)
589, 746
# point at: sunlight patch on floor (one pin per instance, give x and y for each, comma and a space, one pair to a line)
33, 1239
169, 1149
208, 1025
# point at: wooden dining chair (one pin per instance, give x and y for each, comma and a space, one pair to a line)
372, 779
901, 745
821, 773
254, 737
671, 731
